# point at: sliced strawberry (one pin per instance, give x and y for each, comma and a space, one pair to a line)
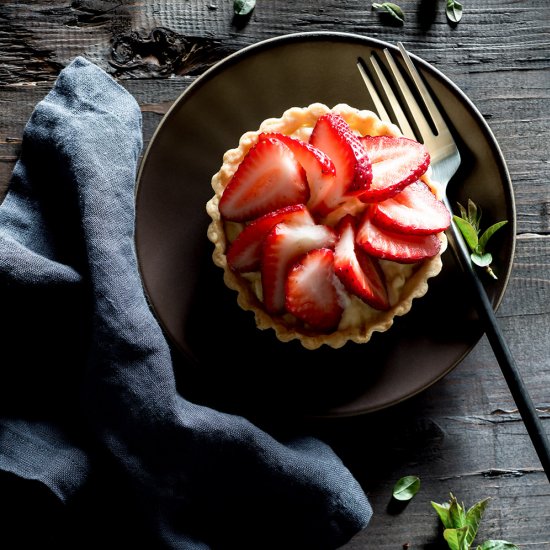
334, 137
413, 210
268, 178
396, 163
360, 274
245, 251
282, 246
390, 245
320, 170
311, 293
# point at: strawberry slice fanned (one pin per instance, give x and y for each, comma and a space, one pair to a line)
396, 163
413, 210
360, 274
245, 251
334, 137
320, 170
268, 178
282, 246
391, 245
311, 291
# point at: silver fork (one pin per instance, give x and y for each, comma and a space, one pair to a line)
445, 160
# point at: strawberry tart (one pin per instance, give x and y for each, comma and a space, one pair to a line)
326, 224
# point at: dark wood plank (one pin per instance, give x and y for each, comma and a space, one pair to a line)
463, 434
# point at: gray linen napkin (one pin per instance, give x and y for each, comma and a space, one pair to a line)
87, 389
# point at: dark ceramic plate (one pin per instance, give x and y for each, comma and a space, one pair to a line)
219, 341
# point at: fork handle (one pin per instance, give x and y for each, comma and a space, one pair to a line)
504, 357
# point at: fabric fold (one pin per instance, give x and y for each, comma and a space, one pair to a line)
203, 478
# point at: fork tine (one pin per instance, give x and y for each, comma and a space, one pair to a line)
424, 128
437, 119
402, 120
400, 117
378, 105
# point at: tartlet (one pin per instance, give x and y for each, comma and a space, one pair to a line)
345, 213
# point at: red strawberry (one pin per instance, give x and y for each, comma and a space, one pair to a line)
413, 210
333, 136
319, 168
360, 274
245, 251
282, 246
268, 178
311, 292
396, 163
399, 247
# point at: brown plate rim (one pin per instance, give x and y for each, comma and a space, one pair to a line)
277, 41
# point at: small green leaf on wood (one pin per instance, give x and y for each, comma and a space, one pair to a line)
243, 7
454, 11
391, 9
406, 488
497, 545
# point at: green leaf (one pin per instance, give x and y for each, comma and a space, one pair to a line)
443, 513
474, 214
497, 545
457, 514
390, 8
489, 232
454, 11
468, 232
406, 488
463, 213
474, 514
482, 260
456, 538
243, 7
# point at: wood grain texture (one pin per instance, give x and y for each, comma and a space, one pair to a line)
463, 434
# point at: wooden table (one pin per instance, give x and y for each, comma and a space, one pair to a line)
463, 434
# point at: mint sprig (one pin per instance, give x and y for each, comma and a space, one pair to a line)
469, 224
461, 525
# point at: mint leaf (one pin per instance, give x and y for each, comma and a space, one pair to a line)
243, 7
473, 214
406, 488
482, 260
497, 545
443, 513
463, 213
474, 515
454, 11
456, 538
457, 514
468, 232
489, 232
390, 8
